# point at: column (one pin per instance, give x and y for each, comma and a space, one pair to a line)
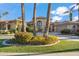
6, 25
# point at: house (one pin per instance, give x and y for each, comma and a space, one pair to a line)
6, 25
72, 25
41, 23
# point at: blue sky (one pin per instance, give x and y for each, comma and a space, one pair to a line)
14, 10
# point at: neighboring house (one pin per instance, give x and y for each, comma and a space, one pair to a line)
73, 26
40, 23
6, 25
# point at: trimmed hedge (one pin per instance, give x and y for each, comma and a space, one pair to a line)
65, 31
29, 29
77, 33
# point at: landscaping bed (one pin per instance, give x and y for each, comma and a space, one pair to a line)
26, 38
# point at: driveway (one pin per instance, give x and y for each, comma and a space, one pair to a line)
69, 37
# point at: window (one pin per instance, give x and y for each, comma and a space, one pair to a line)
39, 23
9, 26
74, 26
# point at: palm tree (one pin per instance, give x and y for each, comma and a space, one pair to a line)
70, 13
23, 19
48, 21
78, 10
4, 14
34, 19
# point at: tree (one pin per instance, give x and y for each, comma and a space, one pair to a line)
78, 10
23, 18
4, 14
70, 13
47, 22
34, 19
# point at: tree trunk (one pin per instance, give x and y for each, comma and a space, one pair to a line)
34, 19
70, 15
23, 18
48, 21
78, 10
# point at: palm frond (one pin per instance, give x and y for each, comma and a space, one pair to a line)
72, 8
0, 16
66, 12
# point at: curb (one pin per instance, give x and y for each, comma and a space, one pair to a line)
4, 43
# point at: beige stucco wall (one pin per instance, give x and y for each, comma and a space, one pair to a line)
67, 26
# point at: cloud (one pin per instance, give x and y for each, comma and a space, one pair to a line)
56, 18
75, 18
60, 11
53, 12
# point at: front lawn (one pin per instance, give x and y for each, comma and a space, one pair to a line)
63, 46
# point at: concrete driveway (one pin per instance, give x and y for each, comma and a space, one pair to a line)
71, 37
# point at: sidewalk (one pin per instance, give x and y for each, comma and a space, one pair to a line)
73, 53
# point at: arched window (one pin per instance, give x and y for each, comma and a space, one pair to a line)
39, 23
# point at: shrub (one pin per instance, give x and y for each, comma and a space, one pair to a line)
29, 29
23, 37
38, 40
52, 39
12, 31
65, 31
77, 33
7, 32
28, 38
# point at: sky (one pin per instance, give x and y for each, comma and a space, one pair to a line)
57, 11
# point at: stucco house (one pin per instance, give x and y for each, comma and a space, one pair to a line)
6, 25
72, 25
57, 26
41, 23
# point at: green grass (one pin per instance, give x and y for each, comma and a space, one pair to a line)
63, 46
